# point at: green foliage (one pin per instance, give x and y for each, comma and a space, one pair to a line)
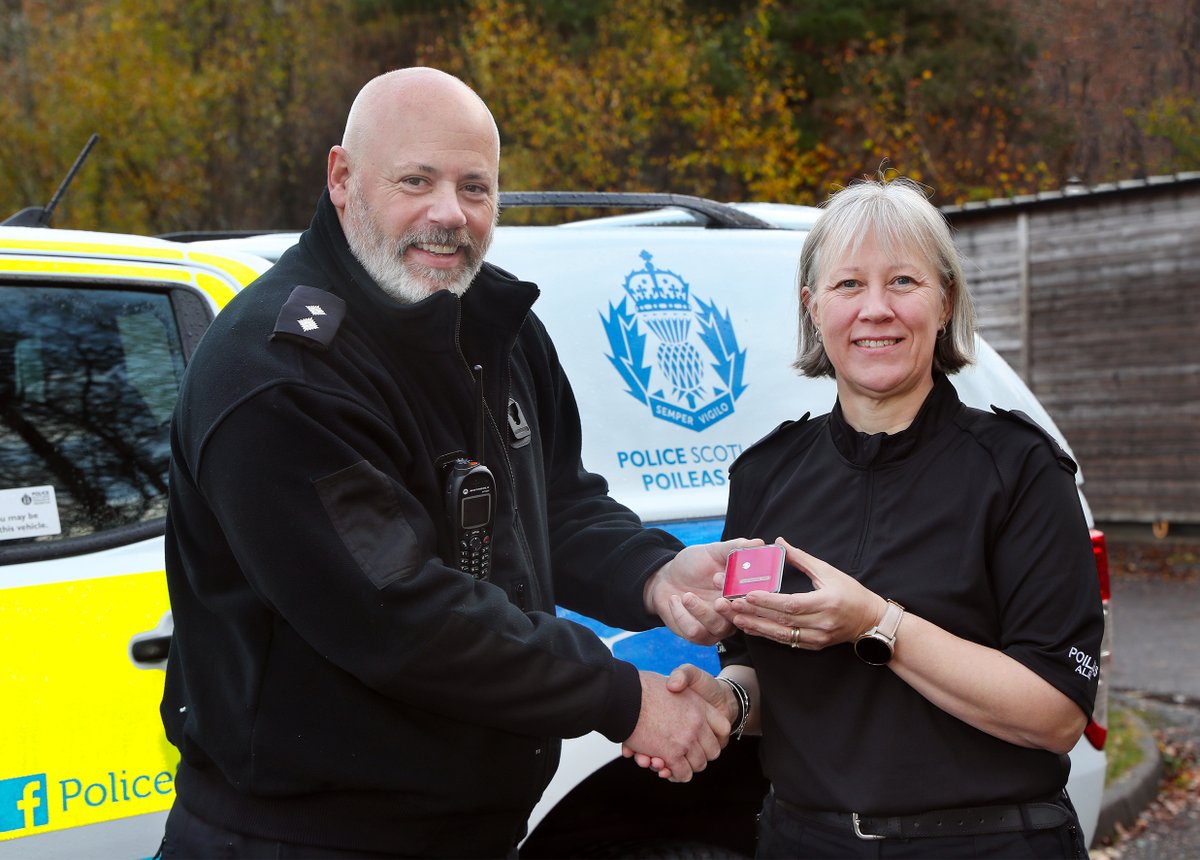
646, 107
1176, 118
1123, 748
209, 114
216, 114
937, 94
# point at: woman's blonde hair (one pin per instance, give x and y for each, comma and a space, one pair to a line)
900, 216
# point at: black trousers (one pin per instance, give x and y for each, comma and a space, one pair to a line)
783, 835
188, 837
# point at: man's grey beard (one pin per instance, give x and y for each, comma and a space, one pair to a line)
383, 257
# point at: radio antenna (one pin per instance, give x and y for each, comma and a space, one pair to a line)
478, 374
62, 188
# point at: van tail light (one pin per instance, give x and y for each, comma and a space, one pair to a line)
1097, 729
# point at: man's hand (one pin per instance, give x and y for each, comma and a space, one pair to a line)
682, 592
679, 731
718, 695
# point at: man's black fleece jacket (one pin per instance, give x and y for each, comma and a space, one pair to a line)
333, 681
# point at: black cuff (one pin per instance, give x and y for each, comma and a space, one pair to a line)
626, 597
624, 705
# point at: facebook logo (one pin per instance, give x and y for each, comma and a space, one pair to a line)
23, 803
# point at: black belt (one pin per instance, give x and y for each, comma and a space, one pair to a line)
967, 821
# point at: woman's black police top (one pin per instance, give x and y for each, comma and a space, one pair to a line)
968, 519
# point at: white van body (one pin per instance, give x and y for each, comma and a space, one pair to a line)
729, 327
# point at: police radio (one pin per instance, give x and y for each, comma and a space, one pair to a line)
471, 505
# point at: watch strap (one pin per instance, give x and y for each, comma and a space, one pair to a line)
878, 644
890, 622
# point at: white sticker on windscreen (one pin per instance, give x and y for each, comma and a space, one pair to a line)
28, 512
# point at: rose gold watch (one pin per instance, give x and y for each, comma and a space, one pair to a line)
877, 645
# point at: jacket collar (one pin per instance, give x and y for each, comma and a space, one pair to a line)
877, 449
496, 302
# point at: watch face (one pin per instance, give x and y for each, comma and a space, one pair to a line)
873, 650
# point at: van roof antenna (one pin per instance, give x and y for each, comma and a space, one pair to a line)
39, 216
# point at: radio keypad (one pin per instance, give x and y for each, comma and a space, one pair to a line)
474, 554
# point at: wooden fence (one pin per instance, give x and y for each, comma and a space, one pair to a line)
1093, 296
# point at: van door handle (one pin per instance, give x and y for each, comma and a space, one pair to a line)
153, 649
149, 649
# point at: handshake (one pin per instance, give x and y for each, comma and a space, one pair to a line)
686, 719
684, 723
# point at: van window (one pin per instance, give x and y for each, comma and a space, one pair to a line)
88, 379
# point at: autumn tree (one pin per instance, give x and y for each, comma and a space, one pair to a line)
937, 90
1175, 119
1125, 75
217, 114
750, 99
211, 115
633, 100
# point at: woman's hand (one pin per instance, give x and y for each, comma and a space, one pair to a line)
839, 609
981, 686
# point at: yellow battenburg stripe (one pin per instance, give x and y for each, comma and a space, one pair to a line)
218, 290
82, 738
58, 246
243, 273
91, 268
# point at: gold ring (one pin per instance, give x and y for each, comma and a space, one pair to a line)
795, 637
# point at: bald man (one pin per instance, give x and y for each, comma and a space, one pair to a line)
344, 680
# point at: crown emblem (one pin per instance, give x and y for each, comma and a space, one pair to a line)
656, 289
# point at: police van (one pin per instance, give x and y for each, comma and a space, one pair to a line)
97, 331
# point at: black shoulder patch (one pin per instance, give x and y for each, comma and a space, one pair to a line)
311, 317
770, 437
1021, 418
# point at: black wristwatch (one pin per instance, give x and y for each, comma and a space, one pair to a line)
877, 644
